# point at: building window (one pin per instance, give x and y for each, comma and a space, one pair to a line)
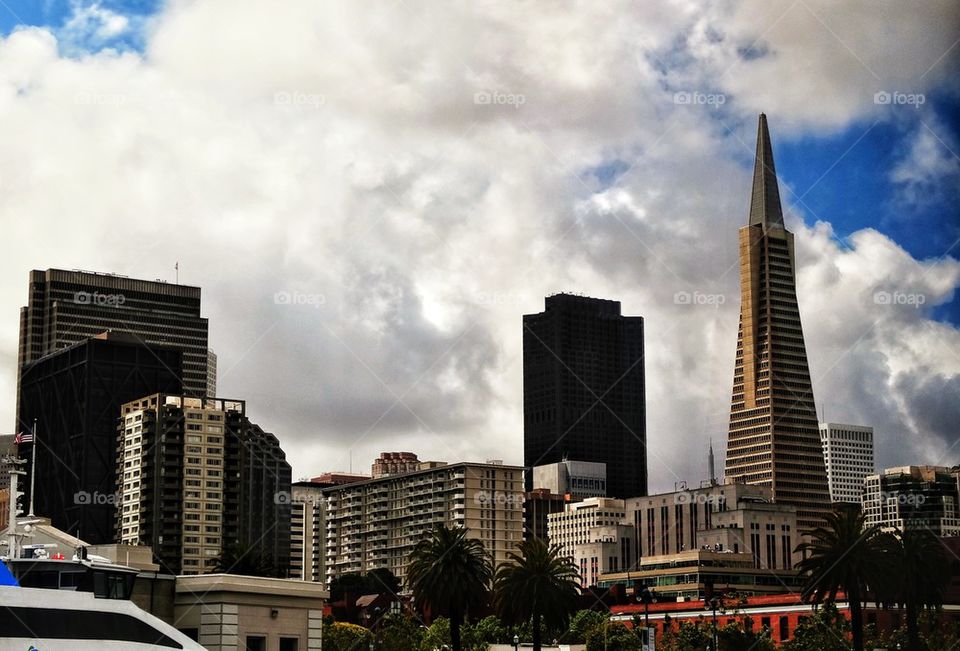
256, 643
289, 644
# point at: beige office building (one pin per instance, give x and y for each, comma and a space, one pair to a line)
376, 523
307, 532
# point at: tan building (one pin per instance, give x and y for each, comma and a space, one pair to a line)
394, 463
735, 518
225, 612
574, 525
774, 438
685, 576
376, 523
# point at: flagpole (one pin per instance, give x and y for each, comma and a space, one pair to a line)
33, 466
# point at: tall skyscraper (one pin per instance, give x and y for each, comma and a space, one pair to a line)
75, 395
195, 477
583, 390
848, 456
774, 438
65, 307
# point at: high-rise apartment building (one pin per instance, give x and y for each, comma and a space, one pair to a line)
196, 477
65, 307
75, 396
595, 536
583, 390
774, 438
914, 497
848, 457
376, 523
308, 533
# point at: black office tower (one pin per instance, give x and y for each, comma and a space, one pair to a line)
65, 307
583, 390
75, 395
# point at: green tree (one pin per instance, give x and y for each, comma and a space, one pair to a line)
922, 572
342, 636
539, 584
582, 622
437, 636
612, 636
398, 633
844, 554
480, 635
826, 630
451, 574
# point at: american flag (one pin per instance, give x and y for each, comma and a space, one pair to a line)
23, 437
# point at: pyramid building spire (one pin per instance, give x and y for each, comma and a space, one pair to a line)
765, 209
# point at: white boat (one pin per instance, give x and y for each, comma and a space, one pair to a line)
82, 605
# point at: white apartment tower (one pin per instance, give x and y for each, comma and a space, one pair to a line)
848, 456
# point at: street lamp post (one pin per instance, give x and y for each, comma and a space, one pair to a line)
516, 642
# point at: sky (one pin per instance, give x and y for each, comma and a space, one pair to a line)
371, 195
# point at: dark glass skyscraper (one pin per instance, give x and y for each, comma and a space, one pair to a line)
774, 437
75, 395
583, 390
65, 307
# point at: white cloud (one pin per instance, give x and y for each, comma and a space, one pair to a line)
338, 151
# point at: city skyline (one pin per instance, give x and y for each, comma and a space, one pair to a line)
368, 234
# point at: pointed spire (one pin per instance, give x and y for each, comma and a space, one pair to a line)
710, 468
765, 203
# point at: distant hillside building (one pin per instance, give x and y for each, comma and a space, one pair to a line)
196, 477
848, 456
394, 463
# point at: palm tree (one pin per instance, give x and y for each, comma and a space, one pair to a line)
451, 574
922, 571
845, 555
537, 584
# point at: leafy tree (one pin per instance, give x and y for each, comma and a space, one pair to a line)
341, 636
582, 622
740, 635
451, 574
489, 630
398, 633
539, 584
922, 572
826, 630
355, 582
844, 554
612, 636
437, 636
382, 580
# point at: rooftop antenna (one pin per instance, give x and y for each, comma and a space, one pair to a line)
710, 468
176, 268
